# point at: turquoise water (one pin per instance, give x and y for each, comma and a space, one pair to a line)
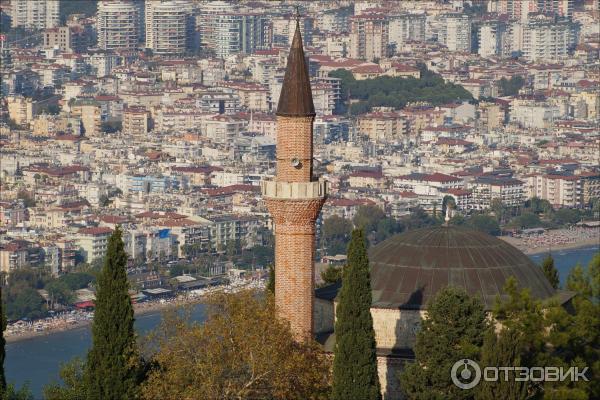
38, 360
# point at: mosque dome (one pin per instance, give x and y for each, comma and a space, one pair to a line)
408, 269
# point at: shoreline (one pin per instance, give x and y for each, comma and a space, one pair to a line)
141, 309
530, 251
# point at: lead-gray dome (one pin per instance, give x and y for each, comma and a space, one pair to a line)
410, 268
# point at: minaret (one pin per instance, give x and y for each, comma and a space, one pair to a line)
295, 197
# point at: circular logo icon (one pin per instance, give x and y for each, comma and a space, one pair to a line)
465, 374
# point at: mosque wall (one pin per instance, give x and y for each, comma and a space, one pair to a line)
396, 328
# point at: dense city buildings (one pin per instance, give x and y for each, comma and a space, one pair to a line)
206, 130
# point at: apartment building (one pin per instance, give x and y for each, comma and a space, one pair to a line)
406, 27
118, 25
35, 14
369, 36
69, 39
169, 26
382, 126
548, 40
92, 242
455, 32
511, 192
90, 113
135, 121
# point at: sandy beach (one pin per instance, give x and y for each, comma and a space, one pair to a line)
82, 319
555, 240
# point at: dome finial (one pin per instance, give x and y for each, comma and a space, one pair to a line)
448, 215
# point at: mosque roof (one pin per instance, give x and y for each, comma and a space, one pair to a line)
408, 269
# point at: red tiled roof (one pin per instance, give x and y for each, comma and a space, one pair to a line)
95, 231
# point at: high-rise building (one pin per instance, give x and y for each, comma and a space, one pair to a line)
35, 14
206, 20
491, 36
118, 25
406, 27
548, 39
295, 197
369, 36
240, 33
561, 8
455, 32
169, 26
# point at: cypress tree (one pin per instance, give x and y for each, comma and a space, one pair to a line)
355, 360
112, 366
2, 344
550, 271
271, 281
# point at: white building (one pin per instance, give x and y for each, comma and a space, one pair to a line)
118, 25
533, 114
491, 37
169, 26
369, 36
240, 33
406, 27
455, 32
35, 14
548, 40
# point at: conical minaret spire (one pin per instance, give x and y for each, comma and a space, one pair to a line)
295, 99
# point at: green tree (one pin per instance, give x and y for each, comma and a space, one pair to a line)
112, 366
331, 274
550, 271
367, 217
566, 216
453, 329
501, 349
271, 281
72, 375
335, 234
355, 360
525, 221
59, 292
386, 227
511, 87
484, 223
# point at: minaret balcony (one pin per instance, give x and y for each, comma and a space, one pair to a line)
294, 190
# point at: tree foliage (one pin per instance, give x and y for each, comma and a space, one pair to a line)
453, 330
335, 234
355, 360
511, 87
271, 281
526, 220
242, 351
484, 223
396, 92
331, 274
550, 271
112, 367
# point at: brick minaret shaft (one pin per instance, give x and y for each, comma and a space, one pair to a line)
295, 197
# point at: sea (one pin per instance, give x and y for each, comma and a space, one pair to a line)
37, 361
